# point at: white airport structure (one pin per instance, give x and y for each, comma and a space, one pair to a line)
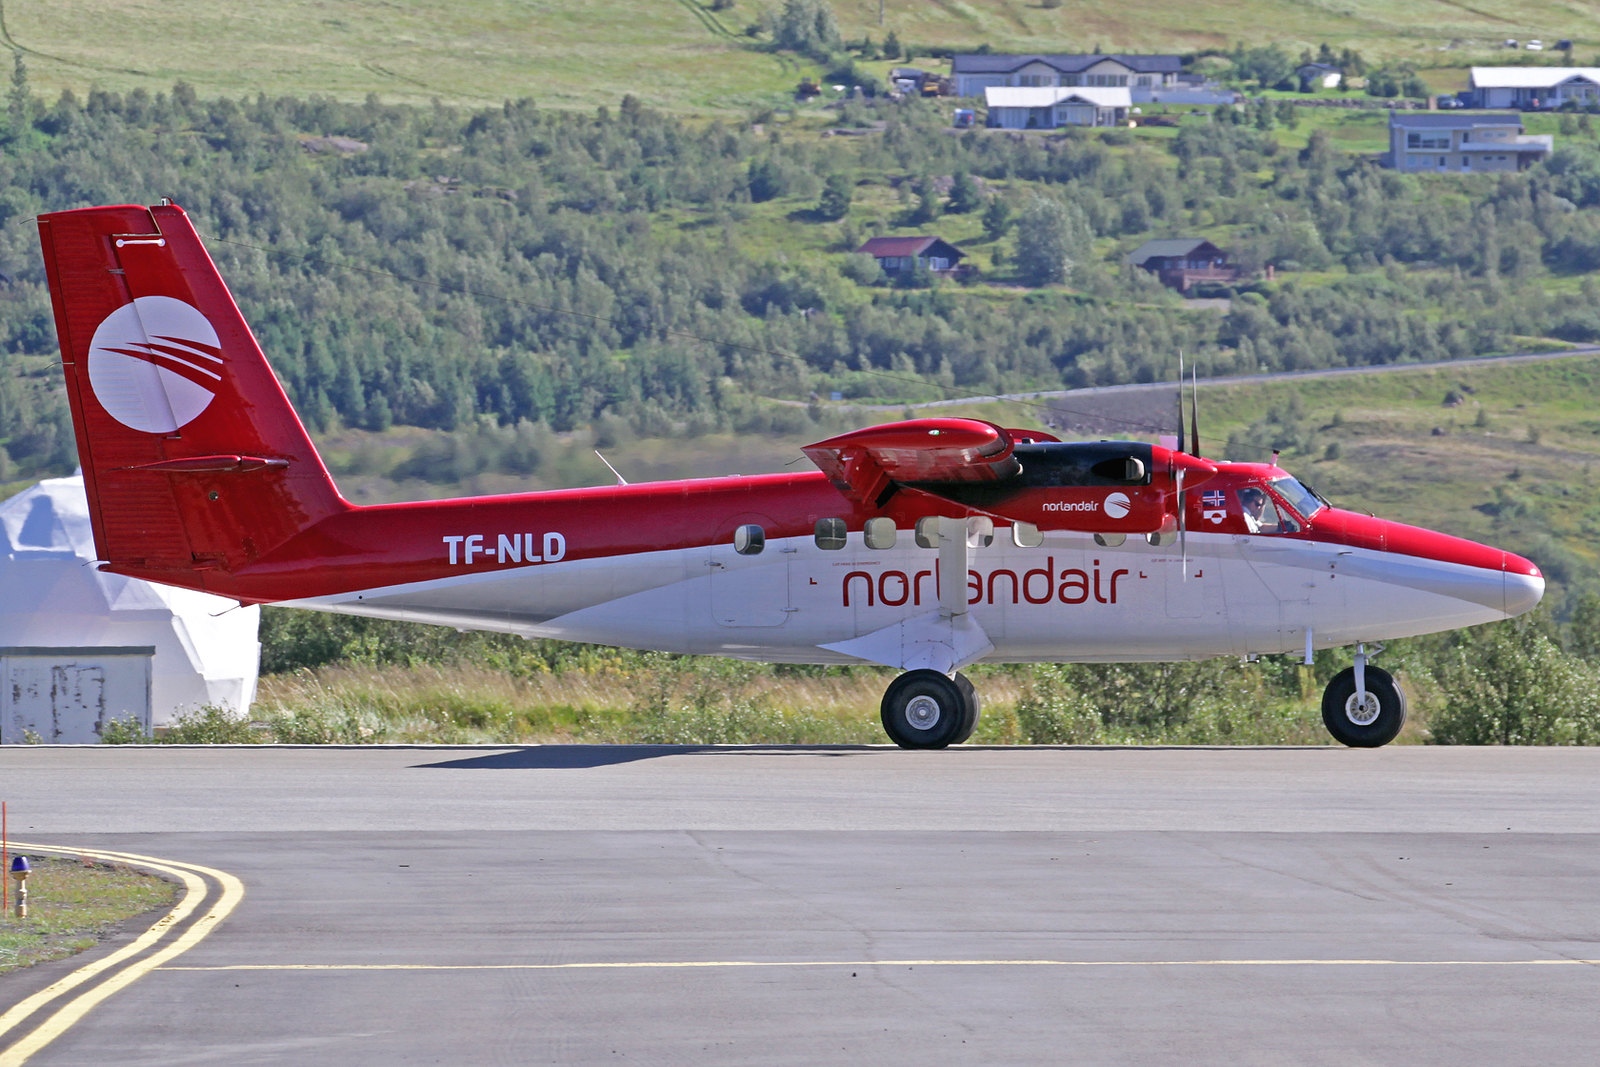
80, 648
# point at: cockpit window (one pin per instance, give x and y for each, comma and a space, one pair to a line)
1297, 496
1260, 513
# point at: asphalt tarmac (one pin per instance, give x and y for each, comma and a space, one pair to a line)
581, 904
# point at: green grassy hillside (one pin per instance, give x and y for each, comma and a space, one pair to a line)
681, 54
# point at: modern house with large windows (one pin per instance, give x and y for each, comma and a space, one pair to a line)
1140, 75
1463, 142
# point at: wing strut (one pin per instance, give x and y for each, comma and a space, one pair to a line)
952, 566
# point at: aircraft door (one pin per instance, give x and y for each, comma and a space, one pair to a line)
1295, 577
1196, 594
749, 578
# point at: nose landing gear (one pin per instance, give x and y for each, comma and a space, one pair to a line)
929, 709
1363, 706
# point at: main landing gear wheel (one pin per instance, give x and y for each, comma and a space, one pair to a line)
928, 709
1363, 723
969, 709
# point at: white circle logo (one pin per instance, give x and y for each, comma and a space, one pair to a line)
155, 364
1118, 505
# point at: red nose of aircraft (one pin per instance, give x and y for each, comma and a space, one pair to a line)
1435, 562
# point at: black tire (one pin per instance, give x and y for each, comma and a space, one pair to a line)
1367, 727
924, 709
971, 708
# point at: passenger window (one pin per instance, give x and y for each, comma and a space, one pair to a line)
928, 531
831, 534
879, 533
1162, 538
1111, 540
1026, 535
749, 540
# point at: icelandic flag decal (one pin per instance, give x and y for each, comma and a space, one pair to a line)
1214, 498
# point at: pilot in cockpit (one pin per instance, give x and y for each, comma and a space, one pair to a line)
1260, 516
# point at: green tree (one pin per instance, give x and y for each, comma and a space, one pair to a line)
1518, 688
1052, 238
837, 193
18, 100
997, 218
766, 180
926, 208
1267, 65
964, 195
808, 27
1583, 629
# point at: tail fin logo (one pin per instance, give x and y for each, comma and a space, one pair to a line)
155, 364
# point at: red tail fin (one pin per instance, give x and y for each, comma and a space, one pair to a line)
193, 458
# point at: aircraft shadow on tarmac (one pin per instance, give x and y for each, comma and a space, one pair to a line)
574, 757
578, 757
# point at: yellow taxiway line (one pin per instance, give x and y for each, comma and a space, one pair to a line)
127, 958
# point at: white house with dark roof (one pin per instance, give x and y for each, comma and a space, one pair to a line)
1046, 108
1463, 142
971, 74
1536, 88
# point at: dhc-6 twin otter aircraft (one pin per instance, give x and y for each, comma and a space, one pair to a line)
926, 545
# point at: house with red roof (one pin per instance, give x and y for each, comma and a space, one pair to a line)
901, 255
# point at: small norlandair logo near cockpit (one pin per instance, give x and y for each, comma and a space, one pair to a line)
155, 364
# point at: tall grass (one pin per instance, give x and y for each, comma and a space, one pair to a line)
673, 700
342, 680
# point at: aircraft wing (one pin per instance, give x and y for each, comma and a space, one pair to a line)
1091, 486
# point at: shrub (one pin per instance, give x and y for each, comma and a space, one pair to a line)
1051, 712
862, 269
212, 725
1518, 688
129, 731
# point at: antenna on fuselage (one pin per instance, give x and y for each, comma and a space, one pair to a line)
620, 479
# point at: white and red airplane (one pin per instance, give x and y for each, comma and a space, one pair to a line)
926, 545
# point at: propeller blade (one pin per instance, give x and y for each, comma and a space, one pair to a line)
1180, 400
1183, 526
1194, 409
